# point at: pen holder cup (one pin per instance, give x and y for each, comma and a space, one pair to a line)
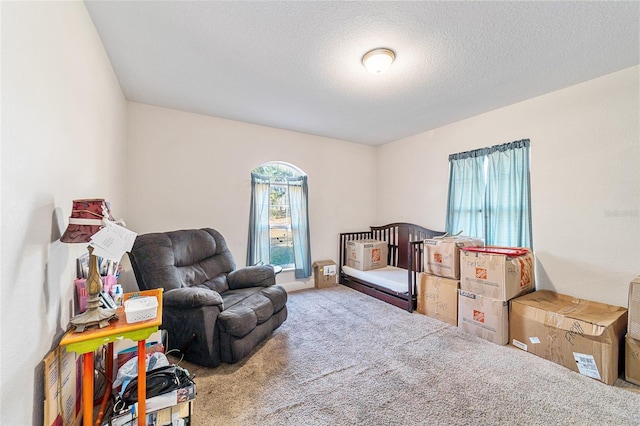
81, 283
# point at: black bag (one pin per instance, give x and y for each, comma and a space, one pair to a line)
159, 380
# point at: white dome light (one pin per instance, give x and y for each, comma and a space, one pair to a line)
378, 61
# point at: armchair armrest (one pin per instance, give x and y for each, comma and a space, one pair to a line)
191, 297
252, 276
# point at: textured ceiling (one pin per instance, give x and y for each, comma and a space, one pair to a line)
296, 65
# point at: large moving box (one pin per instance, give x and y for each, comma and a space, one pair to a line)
367, 254
442, 255
498, 272
582, 335
484, 317
324, 273
438, 298
632, 360
633, 327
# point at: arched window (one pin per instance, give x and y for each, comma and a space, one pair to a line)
279, 218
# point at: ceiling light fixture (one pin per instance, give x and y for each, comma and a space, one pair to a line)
378, 61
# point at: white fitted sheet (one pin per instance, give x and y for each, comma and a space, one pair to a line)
389, 277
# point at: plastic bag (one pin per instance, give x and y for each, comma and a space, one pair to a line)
129, 369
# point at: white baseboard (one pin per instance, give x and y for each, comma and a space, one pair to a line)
297, 285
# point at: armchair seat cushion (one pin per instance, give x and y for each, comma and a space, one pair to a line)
233, 297
277, 295
242, 317
238, 320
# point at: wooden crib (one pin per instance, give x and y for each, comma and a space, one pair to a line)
405, 245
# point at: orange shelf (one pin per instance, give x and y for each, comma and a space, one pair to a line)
88, 341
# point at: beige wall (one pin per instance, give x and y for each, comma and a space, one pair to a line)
189, 171
63, 137
585, 180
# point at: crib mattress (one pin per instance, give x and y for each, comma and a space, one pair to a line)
389, 277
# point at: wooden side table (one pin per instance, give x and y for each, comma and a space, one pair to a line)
87, 342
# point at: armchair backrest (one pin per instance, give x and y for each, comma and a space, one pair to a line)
185, 258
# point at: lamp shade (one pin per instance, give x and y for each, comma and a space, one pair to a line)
378, 61
85, 220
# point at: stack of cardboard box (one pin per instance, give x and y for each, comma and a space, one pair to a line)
489, 278
438, 285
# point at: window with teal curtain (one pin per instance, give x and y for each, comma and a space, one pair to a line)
490, 194
279, 218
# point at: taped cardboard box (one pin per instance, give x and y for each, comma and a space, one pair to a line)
633, 327
632, 360
484, 317
324, 273
582, 335
497, 272
438, 298
366, 254
442, 255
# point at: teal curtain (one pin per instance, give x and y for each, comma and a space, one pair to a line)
466, 194
258, 247
508, 195
298, 201
490, 194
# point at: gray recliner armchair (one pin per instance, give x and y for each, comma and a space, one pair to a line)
218, 312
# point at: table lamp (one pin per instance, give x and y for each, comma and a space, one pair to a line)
86, 219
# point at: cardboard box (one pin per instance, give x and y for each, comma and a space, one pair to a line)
367, 254
484, 317
62, 388
442, 255
438, 298
632, 360
497, 272
633, 327
324, 273
582, 335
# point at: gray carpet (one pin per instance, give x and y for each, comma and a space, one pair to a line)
344, 358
